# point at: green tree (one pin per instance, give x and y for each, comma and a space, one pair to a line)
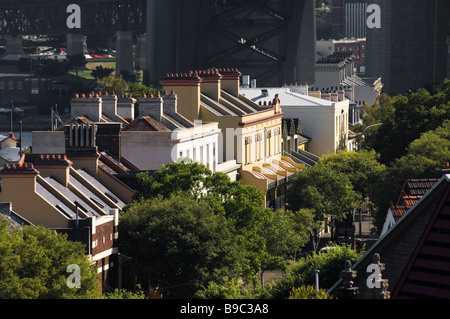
424, 157
325, 191
287, 232
362, 168
113, 84
182, 244
34, 263
124, 294
75, 62
405, 118
137, 90
229, 288
308, 292
302, 272
241, 205
100, 72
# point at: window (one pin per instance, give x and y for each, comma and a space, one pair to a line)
63, 210
269, 142
201, 155
112, 197
246, 151
250, 153
97, 202
81, 206
11, 85
19, 85
2, 85
34, 86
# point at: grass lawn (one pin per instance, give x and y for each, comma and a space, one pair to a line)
93, 65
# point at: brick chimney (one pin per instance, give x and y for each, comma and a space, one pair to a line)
11, 183
108, 138
81, 146
89, 106
211, 84
170, 106
56, 166
230, 80
152, 106
187, 88
341, 95
109, 105
125, 106
334, 97
326, 96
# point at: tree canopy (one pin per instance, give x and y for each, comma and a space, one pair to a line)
34, 263
404, 118
323, 189
183, 206
181, 244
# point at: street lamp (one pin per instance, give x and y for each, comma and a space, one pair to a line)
362, 133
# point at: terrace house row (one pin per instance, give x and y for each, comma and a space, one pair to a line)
75, 197
158, 135
250, 133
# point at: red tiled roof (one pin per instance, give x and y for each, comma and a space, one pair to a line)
418, 187
398, 212
409, 201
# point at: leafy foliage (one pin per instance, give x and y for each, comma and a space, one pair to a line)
33, 265
182, 243
362, 168
254, 238
308, 292
100, 72
323, 189
302, 272
114, 84
405, 118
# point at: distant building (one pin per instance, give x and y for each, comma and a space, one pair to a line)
349, 18
323, 117
338, 71
355, 46
411, 49
23, 90
161, 135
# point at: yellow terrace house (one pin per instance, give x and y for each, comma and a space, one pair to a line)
251, 134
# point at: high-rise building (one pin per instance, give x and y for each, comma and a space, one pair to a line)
411, 49
348, 18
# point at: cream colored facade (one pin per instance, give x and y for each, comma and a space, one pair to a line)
324, 117
46, 189
251, 134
